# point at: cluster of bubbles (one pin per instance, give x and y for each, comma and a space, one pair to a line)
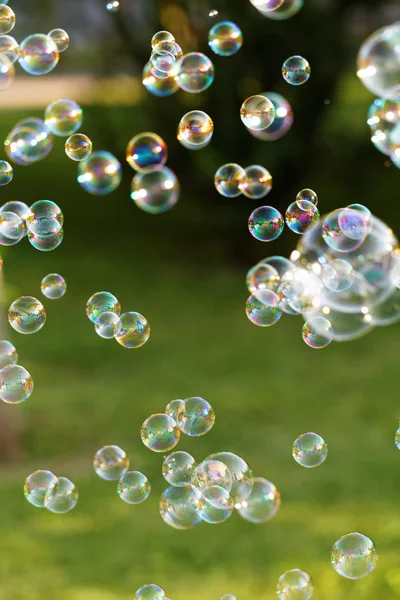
130, 329
16, 383
278, 10
232, 180
44, 490
155, 188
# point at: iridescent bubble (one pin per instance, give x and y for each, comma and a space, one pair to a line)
160, 433
78, 147
7, 72
262, 308
195, 72
12, 228
63, 117
150, 592
146, 152
266, 223
9, 48
28, 142
383, 119
216, 505
179, 507
133, 487
163, 64
258, 182
155, 192
267, 5
296, 70
36, 486
229, 180
161, 36
302, 289
334, 236
397, 438
61, 496
282, 122
299, 218
257, 112
7, 19
16, 384
241, 473
287, 10
353, 223
175, 409
45, 219
102, 302
110, 463
305, 196
177, 468
6, 172
48, 243
26, 315
317, 332
60, 38
337, 275
309, 450
18, 208
211, 473
195, 130
262, 276
135, 330
294, 585
354, 556
170, 47
53, 286
108, 325
197, 418
100, 173
38, 54
159, 87
263, 502
225, 38
8, 354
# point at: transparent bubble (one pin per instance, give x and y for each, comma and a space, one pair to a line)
36, 486
282, 122
197, 418
179, 507
63, 117
78, 147
38, 54
9, 48
383, 119
262, 276
113, 6
177, 468
6, 172
159, 87
155, 192
266, 223
16, 384
241, 473
53, 286
161, 36
302, 289
146, 152
225, 38
7, 72
150, 592
48, 243
306, 196
45, 219
133, 487
299, 218
160, 433
288, 9
397, 438
60, 38
28, 142
267, 5
163, 64
175, 409
110, 463
258, 182
195, 130
12, 228
228, 597
317, 332
296, 70
354, 556
26, 315
135, 330
216, 505
294, 585
8, 354
170, 47
353, 223
108, 325
257, 112
229, 180
7, 19
337, 275
211, 473
195, 72
262, 308
378, 62
100, 173
263, 502
334, 235
309, 450
102, 302
61, 496
18, 208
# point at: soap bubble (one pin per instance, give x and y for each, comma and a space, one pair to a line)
6, 172
7, 72
258, 182
150, 592
295, 585
113, 6
230, 180
216, 505
160, 433
267, 5
135, 330
161, 36
146, 152
63, 117
159, 87
266, 223
7, 19
155, 192
301, 288
257, 112
262, 308
8, 354
100, 173
177, 468
225, 38
287, 10
337, 275
195, 72
53, 286
305, 196
228, 597
48, 243
195, 130
353, 223
16, 384
211, 473
133, 487
45, 219
9, 48
102, 302
282, 122
386, 312
78, 147
197, 418
241, 473
36, 486
28, 142
110, 463
163, 64
263, 502
309, 450
384, 120
60, 38
175, 409
108, 325
296, 70
179, 507
299, 218
335, 237
61, 496
26, 315
317, 332
18, 208
12, 228
262, 276
397, 438
354, 556
38, 54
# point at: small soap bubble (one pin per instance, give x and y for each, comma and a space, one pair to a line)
296, 70
195, 130
216, 505
266, 223
146, 152
282, 122
100, 173
262, 276
230, 180
133, 487
9, 48
108, 325
6, 172
267, 5
257, 112
263, 308
102, 302
16, 384
228, 597
198, 417
53, 286
263, 502
258, 182
179, 507
299, 218
135, 330
45, 219
337, 275
113, 6
175, 409
170, 47
195, 72
306, 195
38, 54
354, 556
8, 354
12, 228
225, 38
156, 86
309, 450
155, 192
78, 147
161, 36
27, 315
163, 64
7, 73
63, 117
61, 496
241, 474
177, 468
397, 438
295, 585
160, 433
334, 236
150, 592
7, 19
317, 332
48, 243
18, 208
36, 486
211, 473
28, 141
110, 463
353, 223
60, 38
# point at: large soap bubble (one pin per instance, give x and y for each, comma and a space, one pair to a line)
378, 62
28, 141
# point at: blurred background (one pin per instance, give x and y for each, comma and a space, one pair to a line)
185, 271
